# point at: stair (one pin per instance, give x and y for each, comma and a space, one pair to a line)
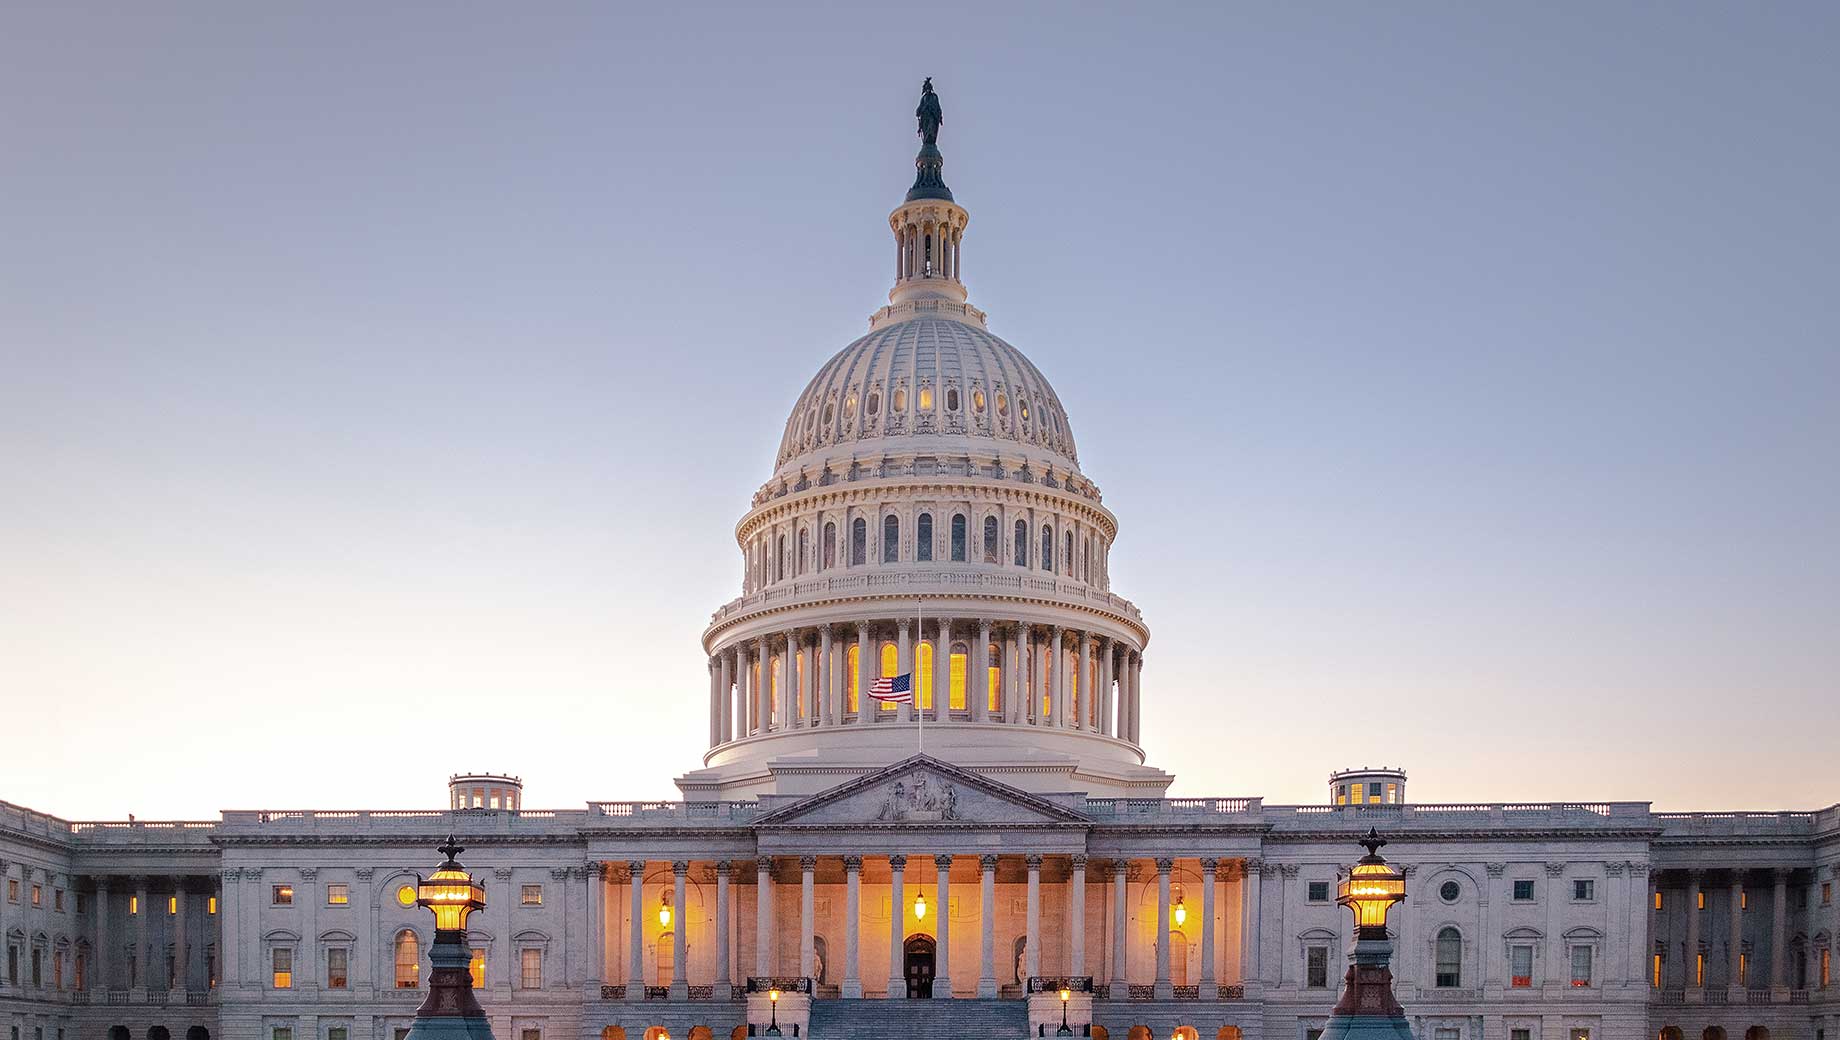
962, 1019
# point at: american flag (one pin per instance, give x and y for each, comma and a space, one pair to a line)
896, 688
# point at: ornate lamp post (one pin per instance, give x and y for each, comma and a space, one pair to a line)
450, 1012
1065, 1029
1368, 1010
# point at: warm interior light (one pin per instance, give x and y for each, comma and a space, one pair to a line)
773, 995
1066, 995
664, 912
1181, 913
920, 907
1371, 889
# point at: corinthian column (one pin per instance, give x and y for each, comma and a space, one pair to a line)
987, 938
635, 945
1031, 951
723, 983
680, 966
1164, 988
897, 920
1121, 976
1088, 695
942, 934
852, 926
1057, 670
904, 662
1076, 917
942, 672
1209, 874
763, 697
763, 916
863, 654
827, 694
1779, 926
808, 944
977, 692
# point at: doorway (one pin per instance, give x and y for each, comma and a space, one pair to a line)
919, 953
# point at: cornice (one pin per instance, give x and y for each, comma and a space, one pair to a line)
713, 635
877, 490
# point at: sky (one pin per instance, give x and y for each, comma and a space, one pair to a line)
380, 384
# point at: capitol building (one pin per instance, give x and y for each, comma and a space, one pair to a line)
941, 867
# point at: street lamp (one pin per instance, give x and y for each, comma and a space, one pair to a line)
773, 1002
1065, 1029
920, 907
451, 1012
1368, 1010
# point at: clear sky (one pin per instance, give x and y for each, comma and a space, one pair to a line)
1464, 376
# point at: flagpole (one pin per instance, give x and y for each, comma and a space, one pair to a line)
920, 637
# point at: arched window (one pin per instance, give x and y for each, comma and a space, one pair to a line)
779, 558
891, 539
773, 669
923, 537
994, 655
851, 674
1069, 557
951, 399
408, 960
958, 538
1022, 543
1047, 547
859, 542
476, 967
1449, 958
990, 539
923, 671
960, 660
891, 663
830, 544
667, 949
804, 550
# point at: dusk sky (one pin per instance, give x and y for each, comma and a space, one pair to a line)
1464, 377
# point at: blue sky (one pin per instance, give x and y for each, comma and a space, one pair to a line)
1464, 377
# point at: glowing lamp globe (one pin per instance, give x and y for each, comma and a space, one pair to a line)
1180, 913
1371, 889
920, 908
451, 892
664, 913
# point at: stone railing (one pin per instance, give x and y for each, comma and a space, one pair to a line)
1733, 824
1056, 983
966, 579
675, 812
1122, 808
1607, 815
783, 983
401, 821
34, 824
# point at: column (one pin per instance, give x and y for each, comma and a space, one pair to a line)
763, 694
1121, 979
852, 918
744, 694
1137, 696
977, 693
1645, 947
942, 934
105, 939
1734, 950
942, 674
1779, 924
1057, 672
723, 982
1089, 690
904, 663
1031, 957
1253, 931
987, 938
1210, 984
897, 918
680, 963
789, 682
1688, 962
635, 946
827, 695
1076, 914
727, 687
179, 979
1012, 676
715, 706
808, 947
862, 672
1105, 687
143, 972
1164, 988
763, 916
597, 927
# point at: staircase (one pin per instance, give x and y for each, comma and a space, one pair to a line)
964, 1019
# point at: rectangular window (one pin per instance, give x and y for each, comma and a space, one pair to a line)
1392, 794
281, 895
1319, 891
57, 900
477, 968
1702, 901
1447, 1033
530, 1034
1699, 970
282, 1033
1657, 899
1824, 967
1656, 971
1312, 1034
531, 895
1581, 965
1581, 1034
210, 906
1316, 965
1523, 890
1827, 893
337, 1033
82, 903
1520, 966
283, 966
1341, 794
38, 895
1744, 899
338, 894
134, 905
401, 1033
1744, 968
172, 906
1583, 890
1520, 1034
338, 960
530, 969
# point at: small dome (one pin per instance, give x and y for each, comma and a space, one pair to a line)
927, 378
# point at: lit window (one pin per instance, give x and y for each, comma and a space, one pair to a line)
476, 967
1002, 403
281, 895
530, 895
1655, 971
1824, 968
1319, 892
405, 896
1341, 794
1744, 968
530, 969
1581, 1034
1699, 970
1316, 967
1583, 890
926, 398
1520, 966
1744, 899
12, 890
994, 655
408, 960
338, 960
1449, 959
957, 679
1702, 901
134, 905
38, 895
338, 894
923, 666
891, 663
172, 906
977, 400
849, 406
530, 1034
1827, 893
1523, 890
1581, 965
283, 965
1392, 793
1657, 899
852, 674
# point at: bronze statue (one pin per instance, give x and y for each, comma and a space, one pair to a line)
929, 114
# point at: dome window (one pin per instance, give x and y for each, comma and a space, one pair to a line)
829, 413
926, 398
849, 406
874, 404
1025, 410
900, 401
977, 400
952, 399
1002, 403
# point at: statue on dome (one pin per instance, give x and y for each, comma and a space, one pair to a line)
929, 114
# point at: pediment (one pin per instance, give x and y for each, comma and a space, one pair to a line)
921, 792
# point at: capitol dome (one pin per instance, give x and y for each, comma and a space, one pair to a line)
926, 567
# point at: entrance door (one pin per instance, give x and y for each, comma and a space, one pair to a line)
920, 951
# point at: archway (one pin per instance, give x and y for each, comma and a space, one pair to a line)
158, 1033
1671, 1033
700, 1033
1187, 1033
1713, 1033
120, 1033
657, 1033
1099, 1032
1138, 1032
198, 1033
613, 1033
738, 1033
1227, 1033
919, 957
1756, 1033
